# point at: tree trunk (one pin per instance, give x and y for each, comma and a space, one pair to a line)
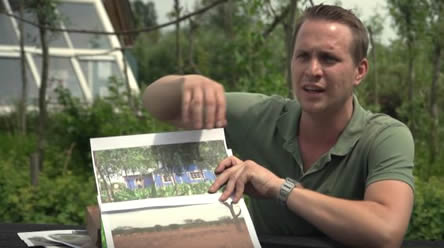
289, 26
108, 187
410, 71
24, 93
193, 28
410, 80
43, 114
433, 105
178, 47
228, 19
125, 74
375, 71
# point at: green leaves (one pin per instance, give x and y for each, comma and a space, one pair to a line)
427, 222
55, 200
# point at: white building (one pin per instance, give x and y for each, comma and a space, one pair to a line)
79, 62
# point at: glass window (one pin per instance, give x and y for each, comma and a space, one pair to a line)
98, 73
11, 82
32, 36
196, 175
61, 74
84, 16
167, 178
8, 36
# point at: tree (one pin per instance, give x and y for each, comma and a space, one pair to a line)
375, 27
45, 12
121, 162
289, 30
144, 14
409, 17
436, 31
23, 98
176, 13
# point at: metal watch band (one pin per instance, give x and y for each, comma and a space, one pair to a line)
285, 190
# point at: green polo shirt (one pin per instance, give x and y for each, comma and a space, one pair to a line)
264, 129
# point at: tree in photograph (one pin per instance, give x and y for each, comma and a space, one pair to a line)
177, 159
120, 163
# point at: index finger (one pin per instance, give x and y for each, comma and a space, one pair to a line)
226, 163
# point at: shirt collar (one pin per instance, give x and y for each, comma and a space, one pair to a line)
352, 131
288, 126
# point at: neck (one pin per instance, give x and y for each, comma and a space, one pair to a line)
325, 127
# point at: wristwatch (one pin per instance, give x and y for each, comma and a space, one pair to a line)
285, 190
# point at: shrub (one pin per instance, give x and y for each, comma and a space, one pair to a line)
427, 222
60, 199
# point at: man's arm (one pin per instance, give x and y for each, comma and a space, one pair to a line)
189, 101
163, 98
380, 220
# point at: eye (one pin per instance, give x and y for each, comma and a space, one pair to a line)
302, 56
329, 59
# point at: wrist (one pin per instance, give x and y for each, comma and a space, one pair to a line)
285, 189
277, 187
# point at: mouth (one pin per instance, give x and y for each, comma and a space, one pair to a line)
313, 89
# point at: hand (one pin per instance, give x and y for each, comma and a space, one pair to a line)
203, 103
245, 176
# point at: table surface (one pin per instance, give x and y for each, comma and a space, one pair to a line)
10, 239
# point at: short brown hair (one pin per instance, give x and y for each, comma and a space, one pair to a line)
338, 14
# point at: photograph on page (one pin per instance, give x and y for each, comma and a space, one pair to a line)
144, 170
204, 225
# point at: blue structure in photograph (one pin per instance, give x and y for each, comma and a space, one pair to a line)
160, 177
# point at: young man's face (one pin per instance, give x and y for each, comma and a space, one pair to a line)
323, 71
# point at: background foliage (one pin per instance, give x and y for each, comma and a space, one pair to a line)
230, 45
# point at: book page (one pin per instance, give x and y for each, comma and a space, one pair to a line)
153, 191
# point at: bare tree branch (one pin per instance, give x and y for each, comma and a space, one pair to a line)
127, 32
276, 21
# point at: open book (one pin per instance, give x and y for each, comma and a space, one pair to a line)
152, 192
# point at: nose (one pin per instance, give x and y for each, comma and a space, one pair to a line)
315, 68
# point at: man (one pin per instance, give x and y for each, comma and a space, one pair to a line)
336, 168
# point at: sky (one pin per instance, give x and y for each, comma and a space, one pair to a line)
365, 9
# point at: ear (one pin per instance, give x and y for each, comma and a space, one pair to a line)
361, 71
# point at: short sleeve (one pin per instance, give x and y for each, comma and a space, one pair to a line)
239, 114
392, 155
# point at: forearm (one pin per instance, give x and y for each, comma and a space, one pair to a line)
163, 98
356, 223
